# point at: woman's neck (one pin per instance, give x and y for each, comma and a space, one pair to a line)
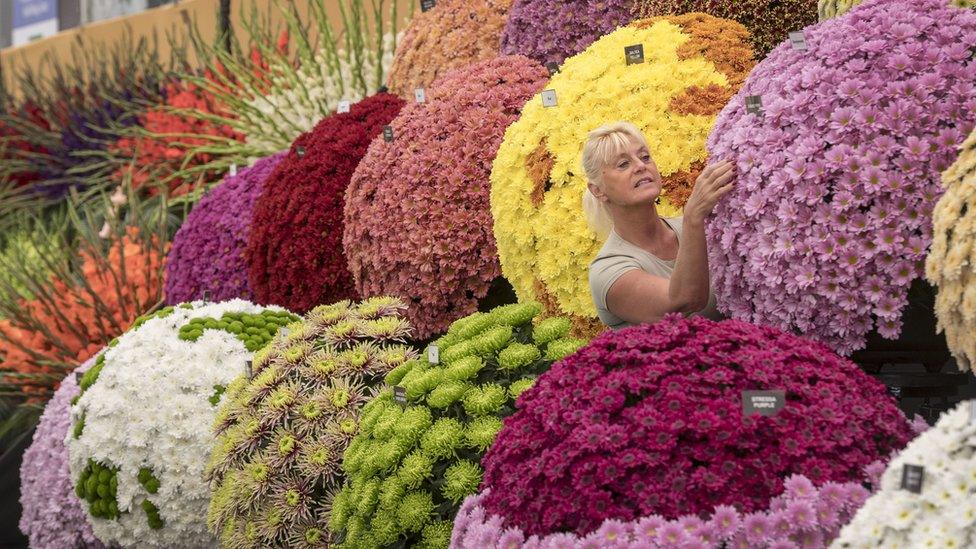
643, 227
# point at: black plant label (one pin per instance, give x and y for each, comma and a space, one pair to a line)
634, 54
912, 477
763, 403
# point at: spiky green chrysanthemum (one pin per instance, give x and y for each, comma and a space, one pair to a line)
423, 450
563, 347
461, 480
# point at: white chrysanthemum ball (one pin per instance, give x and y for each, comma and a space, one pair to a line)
140, 431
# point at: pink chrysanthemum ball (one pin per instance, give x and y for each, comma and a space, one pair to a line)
650, 420
830, 217
417, 216
53, 517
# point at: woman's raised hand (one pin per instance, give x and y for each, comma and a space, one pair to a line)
714, 182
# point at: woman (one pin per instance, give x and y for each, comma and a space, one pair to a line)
648, 266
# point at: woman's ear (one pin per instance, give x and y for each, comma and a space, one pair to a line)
596, 191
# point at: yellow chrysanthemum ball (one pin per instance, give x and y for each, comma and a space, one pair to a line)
693, 64
832, 8
951, 263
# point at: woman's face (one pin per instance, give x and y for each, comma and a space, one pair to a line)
630, 178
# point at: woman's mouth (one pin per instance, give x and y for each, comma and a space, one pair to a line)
643, 181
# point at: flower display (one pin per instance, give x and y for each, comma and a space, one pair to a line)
804, 515
693, 64
651, 420
415, 457
161, 145
937, 511
549, 31
140, 472
282, 432
451, 34
829, 219
78, 313
294, 252
417, 220
208, 251
53, 517
951, 265
769, 21
296, 102
833, 8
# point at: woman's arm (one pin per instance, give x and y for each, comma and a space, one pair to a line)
641, 297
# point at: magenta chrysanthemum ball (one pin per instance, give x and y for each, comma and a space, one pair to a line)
649, 421
830, 218
208, 250
53, 517
417, 217
549, 31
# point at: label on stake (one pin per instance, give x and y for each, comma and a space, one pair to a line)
634, 54
912, 477
78, 376
799, 40
972, 412
206, 295
400, 395
300, 151
764, 403
548, 98
433, 354
343, 107
233, 169
552, 67
248, 369
420, 95
388, 133
754, 104
426, 5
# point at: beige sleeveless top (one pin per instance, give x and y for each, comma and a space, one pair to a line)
616, 257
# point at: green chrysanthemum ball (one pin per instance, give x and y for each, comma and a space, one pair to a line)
416, 455
140, 432
282, 430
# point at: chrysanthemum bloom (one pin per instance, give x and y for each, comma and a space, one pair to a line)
294, 252
693, 64
769, 21
53, 517
951, 263
791, 518
833, 8
451, 34
829, 219
140, 431
281, 432
549, 31
417, 219
208, 250
416, 455
649, 421
942, 511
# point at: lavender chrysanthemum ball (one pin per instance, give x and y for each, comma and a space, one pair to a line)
830, 218
53, 517
208, 250
549, 31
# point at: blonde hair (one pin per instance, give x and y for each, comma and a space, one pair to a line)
602, 144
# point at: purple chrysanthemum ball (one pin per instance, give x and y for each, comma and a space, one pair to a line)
53, 517
830, 217
549, 31
208, 250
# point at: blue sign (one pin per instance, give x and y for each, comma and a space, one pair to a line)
29, 12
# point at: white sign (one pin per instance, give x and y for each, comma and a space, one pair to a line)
343, 107
420, 95
548, 98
